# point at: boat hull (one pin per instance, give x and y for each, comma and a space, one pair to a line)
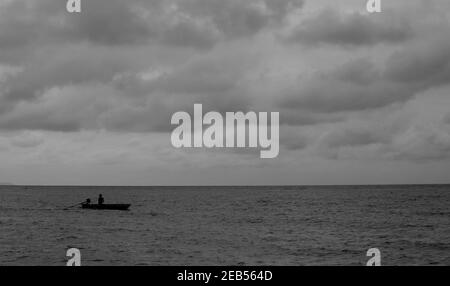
120, 207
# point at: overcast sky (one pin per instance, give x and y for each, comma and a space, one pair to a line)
87, 98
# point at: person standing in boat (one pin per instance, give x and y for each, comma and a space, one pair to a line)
101, 200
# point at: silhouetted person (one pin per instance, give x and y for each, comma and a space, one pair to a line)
101, 200
88, 201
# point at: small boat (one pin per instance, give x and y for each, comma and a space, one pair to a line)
120, 207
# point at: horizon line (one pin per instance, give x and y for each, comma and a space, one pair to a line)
249, 185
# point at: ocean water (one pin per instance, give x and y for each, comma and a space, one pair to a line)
295, 225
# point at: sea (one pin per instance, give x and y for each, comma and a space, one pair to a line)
227, 225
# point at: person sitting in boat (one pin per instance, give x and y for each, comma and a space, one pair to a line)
101, 200
88, 201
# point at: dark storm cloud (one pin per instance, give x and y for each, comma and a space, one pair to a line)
103, 92
338, 96
387, 139
21, 23
236, 18
354, 29
150, 117
427, 64
54, 49
360, 85
27, 140
82, 91
352, 87
207, 75
292, 140
447, 118
281, 8
110, 22
67, 109
60, 69
352, 138
359, 71
44, 22
214, 81
39, 121
293, 117
190, 34
421, 144
187, 23
210, 81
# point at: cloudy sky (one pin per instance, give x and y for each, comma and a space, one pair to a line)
87, 98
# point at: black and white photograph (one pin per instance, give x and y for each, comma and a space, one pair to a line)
243, 133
